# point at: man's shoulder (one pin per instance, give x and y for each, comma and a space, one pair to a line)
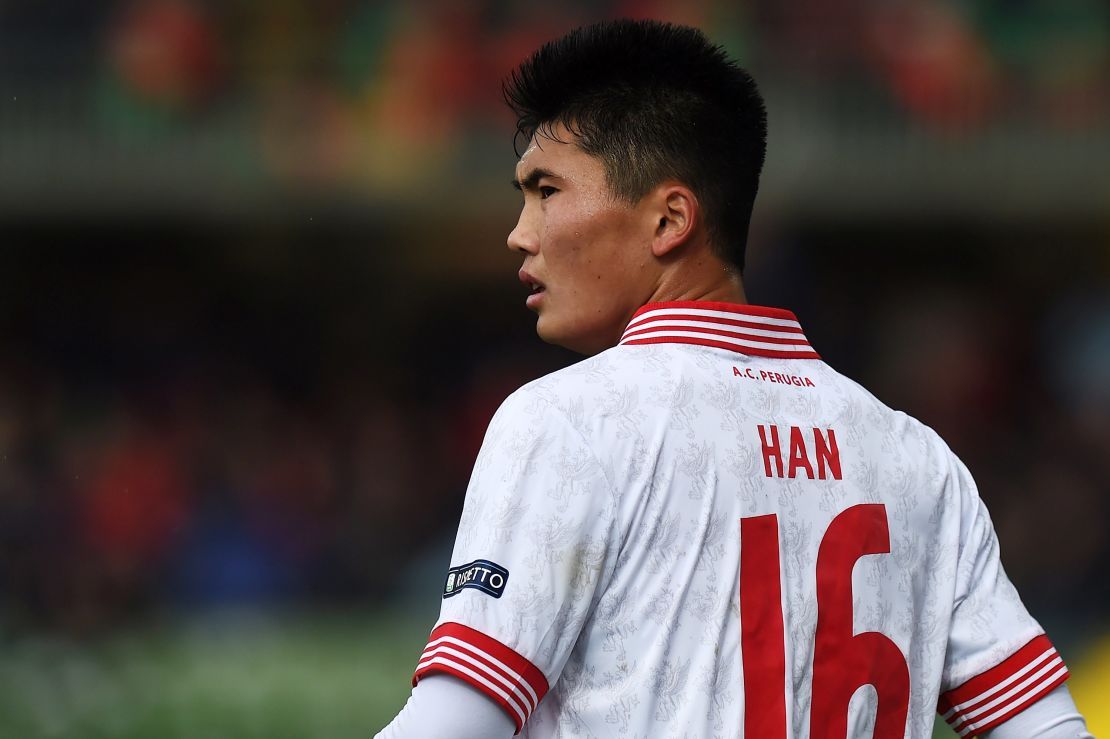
579, 394
893, 432
603, 371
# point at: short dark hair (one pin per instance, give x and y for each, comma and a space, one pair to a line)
653, 101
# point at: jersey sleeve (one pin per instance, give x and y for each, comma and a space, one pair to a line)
535, 545
434, 708
998, 661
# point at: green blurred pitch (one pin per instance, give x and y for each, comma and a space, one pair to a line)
234, 676
309, 676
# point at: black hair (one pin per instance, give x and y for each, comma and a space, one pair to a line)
653, 101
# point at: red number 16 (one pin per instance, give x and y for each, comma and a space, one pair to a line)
842, 661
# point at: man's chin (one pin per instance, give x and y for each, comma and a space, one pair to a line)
548, 330
559, 334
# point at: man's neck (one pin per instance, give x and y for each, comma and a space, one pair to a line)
723, 287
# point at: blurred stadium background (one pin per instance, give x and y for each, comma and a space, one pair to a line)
256, 310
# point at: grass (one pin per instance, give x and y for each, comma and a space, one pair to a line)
234, 676
309, 676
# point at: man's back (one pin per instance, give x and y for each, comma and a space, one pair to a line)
708, 528
703, 530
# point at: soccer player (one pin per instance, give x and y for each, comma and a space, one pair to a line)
703, 530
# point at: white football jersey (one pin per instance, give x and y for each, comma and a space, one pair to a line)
706, 531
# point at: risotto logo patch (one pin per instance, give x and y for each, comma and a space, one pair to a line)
481, 574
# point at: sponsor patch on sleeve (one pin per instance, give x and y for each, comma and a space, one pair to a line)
481, 574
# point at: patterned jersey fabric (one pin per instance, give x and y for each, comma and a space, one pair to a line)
706, 531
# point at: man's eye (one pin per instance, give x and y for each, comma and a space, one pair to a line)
546, 191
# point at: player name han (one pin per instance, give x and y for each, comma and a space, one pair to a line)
792, 451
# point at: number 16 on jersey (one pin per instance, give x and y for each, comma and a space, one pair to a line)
842, 661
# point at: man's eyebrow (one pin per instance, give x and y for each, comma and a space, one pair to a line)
532, 180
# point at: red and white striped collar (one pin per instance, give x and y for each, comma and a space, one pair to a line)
748, 329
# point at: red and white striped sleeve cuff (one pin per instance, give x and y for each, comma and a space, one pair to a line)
1005, 690
510, 680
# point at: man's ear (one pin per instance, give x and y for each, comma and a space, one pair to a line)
677, 212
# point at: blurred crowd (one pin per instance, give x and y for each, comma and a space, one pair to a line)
194, 414
178, 430
430, 69
391, 93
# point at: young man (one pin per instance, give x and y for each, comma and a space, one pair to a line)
703, 530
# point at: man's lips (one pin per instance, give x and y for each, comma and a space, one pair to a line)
527, 278
537, 287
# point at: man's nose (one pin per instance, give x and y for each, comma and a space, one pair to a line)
523, 237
